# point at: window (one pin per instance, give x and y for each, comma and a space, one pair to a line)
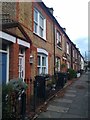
57, 67
76, 55
58, 39
68, 65
39, 24
67, 48
42, 68
73, 52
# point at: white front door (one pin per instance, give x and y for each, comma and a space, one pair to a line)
22, 63
21, 67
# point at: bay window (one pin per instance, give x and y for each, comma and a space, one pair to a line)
42, 64
42, 61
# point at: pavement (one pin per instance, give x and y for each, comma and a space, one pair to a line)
74, 103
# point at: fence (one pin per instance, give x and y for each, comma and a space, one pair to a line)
42, 88
14, 106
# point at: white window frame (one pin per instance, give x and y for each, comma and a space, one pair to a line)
58, 38
39, 26
67, 45
41, 66
42, 53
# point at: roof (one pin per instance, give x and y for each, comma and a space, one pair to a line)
54, 20
8, 23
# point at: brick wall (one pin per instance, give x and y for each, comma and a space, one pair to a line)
13, 60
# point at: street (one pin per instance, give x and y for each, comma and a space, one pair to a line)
74, 103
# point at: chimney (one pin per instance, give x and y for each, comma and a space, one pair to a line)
51, 10
64, 29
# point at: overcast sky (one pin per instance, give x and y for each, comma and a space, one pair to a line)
73, 15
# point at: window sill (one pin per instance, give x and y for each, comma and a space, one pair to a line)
40, 37
59, 47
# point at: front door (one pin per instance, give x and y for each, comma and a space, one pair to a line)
3, 67
21, 67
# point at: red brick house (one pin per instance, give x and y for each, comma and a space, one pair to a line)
39, 41
15, 51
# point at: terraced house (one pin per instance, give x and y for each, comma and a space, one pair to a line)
33, 42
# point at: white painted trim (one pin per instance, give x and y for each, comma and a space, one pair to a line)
3, 51
23, 43
64, 58
7, 37
39, 50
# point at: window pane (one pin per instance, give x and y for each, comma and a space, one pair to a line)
35, 16
67, 48
43, 61
38, 60
35, 27
58, 39
43, 70
41, 22
41, 32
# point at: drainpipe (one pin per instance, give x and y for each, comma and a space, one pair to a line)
54, 42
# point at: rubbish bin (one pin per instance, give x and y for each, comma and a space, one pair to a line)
65, 77
40, 86
62, 78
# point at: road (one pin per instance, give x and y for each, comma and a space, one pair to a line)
74, 103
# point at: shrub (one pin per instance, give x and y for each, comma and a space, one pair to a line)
71, 73
10, 96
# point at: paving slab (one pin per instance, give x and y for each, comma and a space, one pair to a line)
56, 103
63, 100
57, 109
71, 91
70, 95
70, 116
50, 114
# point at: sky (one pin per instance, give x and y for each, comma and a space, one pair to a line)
73, 15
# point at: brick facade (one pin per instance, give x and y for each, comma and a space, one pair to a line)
23, 12
13, 62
